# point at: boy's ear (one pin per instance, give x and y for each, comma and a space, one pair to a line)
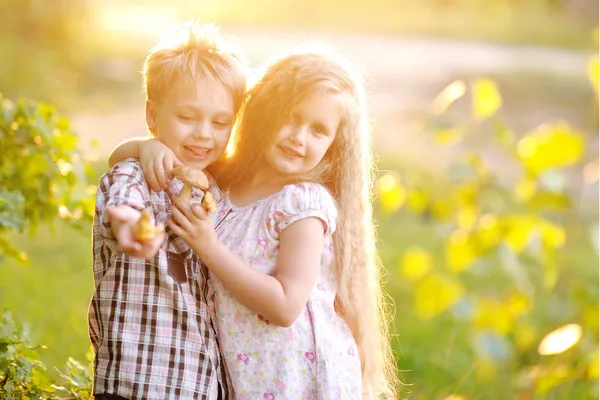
151, 116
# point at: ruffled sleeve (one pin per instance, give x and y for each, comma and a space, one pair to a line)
300, 201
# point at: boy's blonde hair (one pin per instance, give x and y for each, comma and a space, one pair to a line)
191, 51
347, 171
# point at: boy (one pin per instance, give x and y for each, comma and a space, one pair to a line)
149, 319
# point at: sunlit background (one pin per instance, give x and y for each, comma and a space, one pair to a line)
485, 116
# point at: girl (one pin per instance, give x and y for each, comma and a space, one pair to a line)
298, 300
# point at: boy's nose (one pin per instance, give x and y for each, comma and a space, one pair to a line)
203, 130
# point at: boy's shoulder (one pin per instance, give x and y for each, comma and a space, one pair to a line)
128, 165
124, 173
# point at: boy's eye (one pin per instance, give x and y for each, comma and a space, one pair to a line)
185, 118
221, 124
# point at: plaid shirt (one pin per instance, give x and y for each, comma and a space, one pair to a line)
150, 322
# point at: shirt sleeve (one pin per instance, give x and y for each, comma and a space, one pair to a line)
304, 200
124, 184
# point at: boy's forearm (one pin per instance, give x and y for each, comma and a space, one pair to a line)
127, 149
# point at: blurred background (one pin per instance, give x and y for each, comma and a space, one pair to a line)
485, 117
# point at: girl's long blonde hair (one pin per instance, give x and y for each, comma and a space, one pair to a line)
347, 171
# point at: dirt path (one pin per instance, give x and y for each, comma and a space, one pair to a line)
402, 73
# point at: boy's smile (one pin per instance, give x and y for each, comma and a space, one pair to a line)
195, 123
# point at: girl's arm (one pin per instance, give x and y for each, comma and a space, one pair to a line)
127, 149
279, 298
156, 159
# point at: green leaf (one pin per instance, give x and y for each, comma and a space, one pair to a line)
41, 379
11, 210
486, 98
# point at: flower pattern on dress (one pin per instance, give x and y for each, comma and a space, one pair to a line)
308, 360
280, 385
243, 358
310, 356
239, 318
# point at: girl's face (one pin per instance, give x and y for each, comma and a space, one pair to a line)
302, 142
194, 124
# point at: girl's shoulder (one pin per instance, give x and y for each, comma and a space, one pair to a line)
302, 200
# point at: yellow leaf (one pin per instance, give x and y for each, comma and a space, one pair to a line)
466, 217
594, 72
415, 263
493, 315
460, 251
391, 194
486, 98
518, 304
525, 189
560, 340
448, 96
435, 294
552, 234
447, 136
524, 335
442, 210
518, 232
550, 146
593, 366
590, 318
417, 200
489, 232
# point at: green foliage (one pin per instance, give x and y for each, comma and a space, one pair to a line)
24, 376
42, 175
497, 270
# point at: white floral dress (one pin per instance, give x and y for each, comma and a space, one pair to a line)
316, 357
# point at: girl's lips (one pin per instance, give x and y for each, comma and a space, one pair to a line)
291, 153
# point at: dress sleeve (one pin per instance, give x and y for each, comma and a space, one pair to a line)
304, 200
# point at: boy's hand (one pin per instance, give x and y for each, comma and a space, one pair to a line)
123, 218
157, 161
192, 223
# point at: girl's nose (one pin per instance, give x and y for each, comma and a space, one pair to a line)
299, 134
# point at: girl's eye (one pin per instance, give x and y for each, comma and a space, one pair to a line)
295, 120
319, 130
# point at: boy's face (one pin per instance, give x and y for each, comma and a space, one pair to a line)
194, 124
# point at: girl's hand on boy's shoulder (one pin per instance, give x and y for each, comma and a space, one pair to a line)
192, 223
157, 161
